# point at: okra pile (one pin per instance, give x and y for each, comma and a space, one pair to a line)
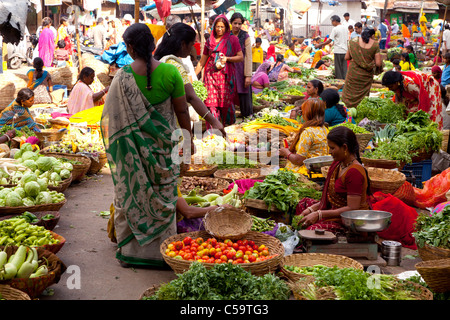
17, 231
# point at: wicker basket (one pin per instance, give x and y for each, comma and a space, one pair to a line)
384, 180
201, 183
363, 140
247, 173
150, 291
312, 259
48, 224
436, 274
256, 268
79, 170
35, 286
201, 173
9, 293
96, 166
428, 253
445, 137
383, 163
227, 223
50, 135
4, 211
54, 248
291, 99
422, 155
62, 186
58, 124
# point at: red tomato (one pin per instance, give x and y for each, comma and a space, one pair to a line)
213, 242
199, 240
251, 243
242, 248
188, 256
231, 254
217, 255
187, 240
240, 260
251, 258
223, 258
178, 245
245, 242
255, 247
218, 261
235, 246
239, 242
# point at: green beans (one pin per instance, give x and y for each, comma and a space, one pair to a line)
261, 224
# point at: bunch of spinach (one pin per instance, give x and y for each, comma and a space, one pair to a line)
223, 281
383, 110
283, 190
433, 230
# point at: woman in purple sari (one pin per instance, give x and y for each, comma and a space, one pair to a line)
46, 44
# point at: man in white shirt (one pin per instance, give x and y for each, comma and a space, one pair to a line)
446, 39
394, 28
339, 38
99, 34
347, 21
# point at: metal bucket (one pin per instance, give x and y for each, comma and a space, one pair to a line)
391, 251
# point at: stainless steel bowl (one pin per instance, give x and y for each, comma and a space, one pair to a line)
316, 163
366, 220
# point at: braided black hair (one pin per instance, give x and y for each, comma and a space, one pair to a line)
139, 37
38, 65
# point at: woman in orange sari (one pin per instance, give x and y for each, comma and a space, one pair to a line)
347, 186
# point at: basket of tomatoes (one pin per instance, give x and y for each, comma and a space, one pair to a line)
257, 253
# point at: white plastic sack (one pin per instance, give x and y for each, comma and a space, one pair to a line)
288, 237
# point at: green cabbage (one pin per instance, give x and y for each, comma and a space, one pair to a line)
13, 199
20, 191
43, 183
55, 177
29, 155
64, 174
44, 163
31, 164
28, 202
44, 198
26, 147
57, 167
68, 166
27, 177
4, 192
32, 189
4, 181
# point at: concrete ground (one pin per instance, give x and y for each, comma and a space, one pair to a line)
93, 272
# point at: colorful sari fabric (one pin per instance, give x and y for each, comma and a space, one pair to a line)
420, 91
64, 35
306, 55
405, 31
360, 74
137, 137
221, 83
271, 52
80, 98
46, 46
33, 82
317, 57
261, 76
24, 118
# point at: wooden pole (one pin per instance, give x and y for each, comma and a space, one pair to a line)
202, 27
440, 36
136, 11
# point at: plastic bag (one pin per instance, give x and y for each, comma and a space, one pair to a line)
288, 238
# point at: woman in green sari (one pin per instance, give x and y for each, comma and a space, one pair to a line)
146, 104
364, 55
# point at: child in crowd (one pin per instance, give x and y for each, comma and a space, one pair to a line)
257, 54
405, 63
396, 63
61, 54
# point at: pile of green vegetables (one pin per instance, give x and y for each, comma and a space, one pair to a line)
24, 131
17, 231
295, 91
23, 264
433, 230
280, 85
383, 110
355, 128
224, 281
230, 160
270, 95
31, 194
416, 133
213, 199
333, 283
262, 224
283, 190
200, 90
274, 119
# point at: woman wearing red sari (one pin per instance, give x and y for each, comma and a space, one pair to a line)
221, 51
418, 91
346, 187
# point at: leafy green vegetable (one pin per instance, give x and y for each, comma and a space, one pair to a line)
434, 230
355, 128
231, 160
383, 110
200, 90
223, 281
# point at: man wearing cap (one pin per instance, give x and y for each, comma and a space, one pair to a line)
339, 39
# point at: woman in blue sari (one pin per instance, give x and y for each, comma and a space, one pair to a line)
40, 82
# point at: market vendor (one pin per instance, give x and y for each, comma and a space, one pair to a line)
418, 91
335, 113
17, 114
260, 79
82, 96
310, 141
290, 55
280, 70
347, 185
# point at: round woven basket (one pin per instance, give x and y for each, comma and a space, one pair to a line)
48, 224
4, 211
382, 163
291, 99
422, 155
436, 274
9, 293
96, 166
79, 170
35, 286
428, 252
227, 223
385, 180
363, 140
201, 173
149, 292
62, 186
50, 135
58, 124
312, 259
54, 248
237, 174
256, 268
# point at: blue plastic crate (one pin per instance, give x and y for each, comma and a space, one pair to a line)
421, 171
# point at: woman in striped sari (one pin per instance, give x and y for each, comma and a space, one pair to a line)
364, 55
17, 113
145, 107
